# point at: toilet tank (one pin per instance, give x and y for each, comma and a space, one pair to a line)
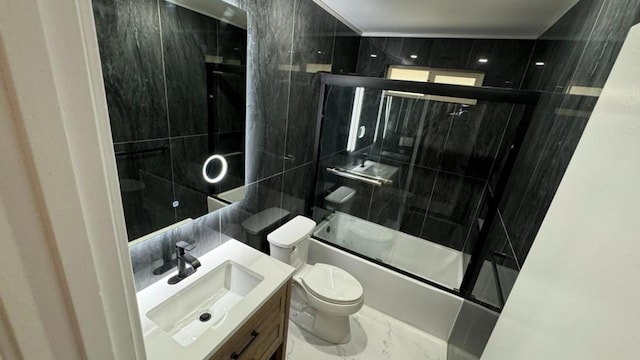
290, 242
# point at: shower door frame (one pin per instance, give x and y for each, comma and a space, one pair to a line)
515, 96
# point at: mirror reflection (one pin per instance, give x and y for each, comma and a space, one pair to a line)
188, 106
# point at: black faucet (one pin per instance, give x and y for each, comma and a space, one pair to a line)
364, 159
183, 259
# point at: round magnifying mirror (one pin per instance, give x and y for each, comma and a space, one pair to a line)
216, 165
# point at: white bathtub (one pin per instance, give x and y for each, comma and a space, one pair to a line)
421, 257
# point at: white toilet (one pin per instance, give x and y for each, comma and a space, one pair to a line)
323, 295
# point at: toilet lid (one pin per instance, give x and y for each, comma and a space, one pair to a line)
332, 284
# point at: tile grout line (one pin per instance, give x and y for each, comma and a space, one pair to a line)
166, 101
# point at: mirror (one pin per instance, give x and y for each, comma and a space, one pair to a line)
175, 78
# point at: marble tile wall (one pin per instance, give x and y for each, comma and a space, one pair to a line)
287, 40
153, 58
579, 50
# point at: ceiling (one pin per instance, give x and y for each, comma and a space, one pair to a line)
521, 19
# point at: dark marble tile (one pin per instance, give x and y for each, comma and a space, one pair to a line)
230, 219
296, 188
313, 40
450, 53
187, 38
432, 140
154, 258
193, 203
452, 208
188, 156
474, 138
145, 185
605, 42
399, 122
508, 61
580, 50
373, 66
337, 117
131, 55
264, 194
303, 115
232, 44
227, 106
346, 48
418, 194
270, 35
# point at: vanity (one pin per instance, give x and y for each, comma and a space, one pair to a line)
235, 306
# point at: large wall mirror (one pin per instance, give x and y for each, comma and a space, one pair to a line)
176, 85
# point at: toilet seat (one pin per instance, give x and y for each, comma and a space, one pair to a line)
332, 285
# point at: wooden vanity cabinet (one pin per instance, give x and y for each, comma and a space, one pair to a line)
264, 335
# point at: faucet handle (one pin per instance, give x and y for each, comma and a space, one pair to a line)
185, 246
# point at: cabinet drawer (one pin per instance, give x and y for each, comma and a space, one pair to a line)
261, 335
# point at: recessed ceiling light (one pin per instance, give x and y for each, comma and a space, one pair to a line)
414, 56
540, 63
373, 55
483, 60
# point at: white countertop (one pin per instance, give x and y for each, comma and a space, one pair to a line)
159, 345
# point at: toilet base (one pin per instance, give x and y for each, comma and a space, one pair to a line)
335, 329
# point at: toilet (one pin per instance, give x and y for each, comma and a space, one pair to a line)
323, 296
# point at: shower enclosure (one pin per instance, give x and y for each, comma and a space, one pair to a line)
409, 175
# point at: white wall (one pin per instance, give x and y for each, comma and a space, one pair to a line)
578, 295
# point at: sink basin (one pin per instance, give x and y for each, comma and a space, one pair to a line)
376, 169
205, 303
232, 283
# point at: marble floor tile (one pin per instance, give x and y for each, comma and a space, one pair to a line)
374, 336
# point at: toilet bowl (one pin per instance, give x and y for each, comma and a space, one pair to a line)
324, 296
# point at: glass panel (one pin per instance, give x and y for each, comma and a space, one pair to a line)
403, 180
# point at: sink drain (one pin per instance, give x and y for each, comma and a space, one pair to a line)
205, 317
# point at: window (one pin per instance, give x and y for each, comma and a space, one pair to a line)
440, 76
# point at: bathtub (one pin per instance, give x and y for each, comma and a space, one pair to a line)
415, 255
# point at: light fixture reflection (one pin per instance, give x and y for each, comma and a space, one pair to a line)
540, 63
483, 60
414, 56
373, 55
223, 170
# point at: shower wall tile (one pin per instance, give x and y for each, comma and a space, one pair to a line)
418, 195
432, 140
452, 208
187, 38
474, 138
131, 54
579, 50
